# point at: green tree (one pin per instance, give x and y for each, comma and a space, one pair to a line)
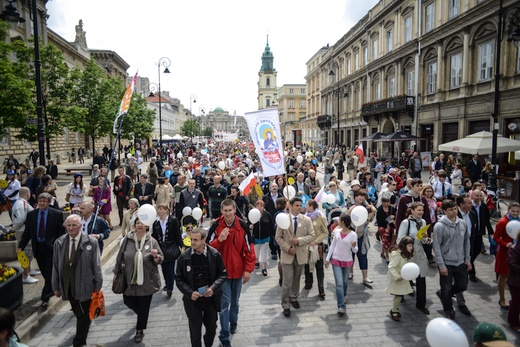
97, 98
190, 128
207, 132
138, 122
17, 96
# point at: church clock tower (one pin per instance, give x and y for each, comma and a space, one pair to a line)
267, 92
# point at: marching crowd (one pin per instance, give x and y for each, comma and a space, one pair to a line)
440, 223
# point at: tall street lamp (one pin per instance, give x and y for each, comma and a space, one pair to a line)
166, 62
332, 75
193, 99
10, 14
514, 37
202, 111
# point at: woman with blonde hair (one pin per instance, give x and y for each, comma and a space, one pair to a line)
486, 171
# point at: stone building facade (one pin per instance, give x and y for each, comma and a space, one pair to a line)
292, 106
425, 67
267, 91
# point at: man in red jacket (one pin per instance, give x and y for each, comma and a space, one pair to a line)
231, 237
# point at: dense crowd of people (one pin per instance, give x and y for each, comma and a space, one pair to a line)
440, 223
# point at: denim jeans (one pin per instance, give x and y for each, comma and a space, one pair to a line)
229, 306
341, 279
362, 258
168, 271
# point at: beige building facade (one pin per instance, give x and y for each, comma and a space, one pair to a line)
423, 67
292, 107
267, 91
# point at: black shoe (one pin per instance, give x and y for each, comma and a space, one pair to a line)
464, 309
225, 344
274, 257
165, 289
139, 336
169, 293
295, 304
473, 278
44, 305
308, 286
322, 296
286, 312
233, 328
450, 316
504, 307
257, 265
424, 310
264, 272
280, 282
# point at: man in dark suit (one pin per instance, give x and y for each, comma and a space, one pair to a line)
301, 186
271, 197
122, 189
42, 227
52, 169
467, 214
143, 191
483, 223
474, 168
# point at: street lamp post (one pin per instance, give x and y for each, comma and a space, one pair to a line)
514, 37
10, 14
166, 62
338, 90
201, 126
193, 99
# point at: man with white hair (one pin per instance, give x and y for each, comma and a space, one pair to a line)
98, 229
314, 183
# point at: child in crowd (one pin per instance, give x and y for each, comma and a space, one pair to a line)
397, 286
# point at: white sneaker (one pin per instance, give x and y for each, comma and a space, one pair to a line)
30, 280
35, 273
367, 280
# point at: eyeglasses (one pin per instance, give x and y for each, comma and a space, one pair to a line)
331, 185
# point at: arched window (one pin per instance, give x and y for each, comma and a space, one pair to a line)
268, 82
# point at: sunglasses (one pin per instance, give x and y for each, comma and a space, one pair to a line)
331, 185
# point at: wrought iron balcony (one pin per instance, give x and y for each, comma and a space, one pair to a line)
324, 122
393, 104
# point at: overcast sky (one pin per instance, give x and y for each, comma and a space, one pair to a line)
215, 46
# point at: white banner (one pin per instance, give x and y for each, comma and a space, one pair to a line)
264, 128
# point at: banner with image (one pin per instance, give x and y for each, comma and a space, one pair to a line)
264, 129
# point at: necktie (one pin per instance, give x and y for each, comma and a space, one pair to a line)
143, 190
443, 190
41, 229
72, 258
295, 225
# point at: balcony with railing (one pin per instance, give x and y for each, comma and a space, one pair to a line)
324, 122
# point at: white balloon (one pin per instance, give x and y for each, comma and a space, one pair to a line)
512, 229
254, 215
179, 155
202, 151
410, 271
190, 159
196, 213
129, 155
289, 192
441, 332
299, 159
330, 198
221, 165
147, 214
283, 221
294, 148
186, 211
285, 153
308, 154
359, 215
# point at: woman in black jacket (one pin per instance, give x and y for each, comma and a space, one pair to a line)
263, 231
167, 232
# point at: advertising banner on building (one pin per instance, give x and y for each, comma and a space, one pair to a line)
264, 129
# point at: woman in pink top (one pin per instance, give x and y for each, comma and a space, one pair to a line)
344, 244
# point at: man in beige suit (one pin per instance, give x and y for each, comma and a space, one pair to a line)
293, 243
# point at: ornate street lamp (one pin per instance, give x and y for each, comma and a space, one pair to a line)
193, 99
166, 62
10, 14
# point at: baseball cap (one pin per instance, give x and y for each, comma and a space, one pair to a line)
354, 182
10, 172
490, 335
78, 174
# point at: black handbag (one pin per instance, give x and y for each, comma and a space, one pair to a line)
119, 284
170, 251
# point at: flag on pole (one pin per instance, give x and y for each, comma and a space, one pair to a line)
125, 103
264, 129
247, 184
360, 153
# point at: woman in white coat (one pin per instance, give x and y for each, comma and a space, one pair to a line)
410, 227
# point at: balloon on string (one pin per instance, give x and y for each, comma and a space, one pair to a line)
330, 198
283, 221
441, 332
308, 154
179, 155
147, 214
410, 271
168, 173
285, 153
359, 215
196, 213
289, 192
512, 229
254, 215
221, 165
343, 184
203, 151
186, 211
129, 155
190, 159
299, 159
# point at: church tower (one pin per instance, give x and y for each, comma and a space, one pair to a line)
267, 92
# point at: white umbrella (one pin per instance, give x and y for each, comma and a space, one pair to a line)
177, 137
480, 143
517, 155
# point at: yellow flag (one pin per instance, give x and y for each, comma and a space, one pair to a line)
421, 232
